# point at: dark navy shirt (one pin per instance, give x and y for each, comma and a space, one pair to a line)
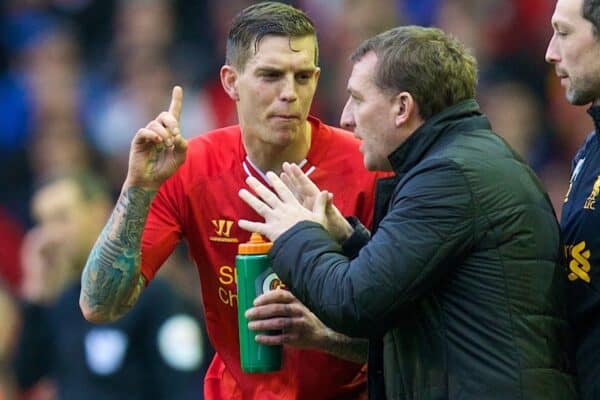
158, 351
580, 224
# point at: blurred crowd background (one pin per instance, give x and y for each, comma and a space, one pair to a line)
78, 78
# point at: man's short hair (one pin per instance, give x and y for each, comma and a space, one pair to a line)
591, 12
262, 19
436, 69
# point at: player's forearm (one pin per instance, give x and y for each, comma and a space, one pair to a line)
111, 281
342, 346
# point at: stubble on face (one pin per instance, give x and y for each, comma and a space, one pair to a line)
575, 50
583, 90
371, 113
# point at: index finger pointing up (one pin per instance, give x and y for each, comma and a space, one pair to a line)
176, 102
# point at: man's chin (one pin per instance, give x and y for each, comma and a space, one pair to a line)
376, 165
369, 164
282, 137
579, 98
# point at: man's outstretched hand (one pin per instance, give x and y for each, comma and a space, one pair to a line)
296, 199
307, 192
281, 210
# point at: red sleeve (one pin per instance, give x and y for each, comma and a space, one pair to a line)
163, 229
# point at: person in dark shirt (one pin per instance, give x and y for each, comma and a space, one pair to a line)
574, 50
158, 351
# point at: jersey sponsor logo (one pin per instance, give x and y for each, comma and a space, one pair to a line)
227, 290
579, 264
590, 202
223, 231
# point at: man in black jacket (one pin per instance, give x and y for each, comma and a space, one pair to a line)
460, 289
574, 50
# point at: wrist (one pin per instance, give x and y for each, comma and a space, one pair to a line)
345, 232
331, 339
131, 183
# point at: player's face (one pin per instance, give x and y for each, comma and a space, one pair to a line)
575, 52
370, 114
276, 88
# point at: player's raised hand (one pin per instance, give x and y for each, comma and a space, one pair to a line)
158, 149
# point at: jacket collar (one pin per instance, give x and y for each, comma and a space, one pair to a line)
594, 112
409, 153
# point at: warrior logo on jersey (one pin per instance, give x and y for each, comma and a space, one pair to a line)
223, 231
579, 265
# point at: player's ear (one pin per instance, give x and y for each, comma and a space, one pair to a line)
229, 76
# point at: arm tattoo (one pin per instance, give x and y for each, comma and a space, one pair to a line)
342, 346
111, 281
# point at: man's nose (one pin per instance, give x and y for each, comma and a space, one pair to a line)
288, 91
347, 119
552, 51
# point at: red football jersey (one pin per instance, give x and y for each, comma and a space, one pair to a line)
200, 203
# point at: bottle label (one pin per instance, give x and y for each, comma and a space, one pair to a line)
267, 281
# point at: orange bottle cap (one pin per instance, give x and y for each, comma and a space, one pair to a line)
256, 245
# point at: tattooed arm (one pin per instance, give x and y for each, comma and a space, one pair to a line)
112, 281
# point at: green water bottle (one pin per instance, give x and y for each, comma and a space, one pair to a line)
255, 277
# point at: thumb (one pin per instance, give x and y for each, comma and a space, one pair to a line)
321, 204
180, 144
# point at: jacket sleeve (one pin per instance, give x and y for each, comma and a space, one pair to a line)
427, 230
359, 238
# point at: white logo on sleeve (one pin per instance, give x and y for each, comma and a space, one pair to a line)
180, 342
105, 350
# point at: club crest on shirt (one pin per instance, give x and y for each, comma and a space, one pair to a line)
590, 202
222, 230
